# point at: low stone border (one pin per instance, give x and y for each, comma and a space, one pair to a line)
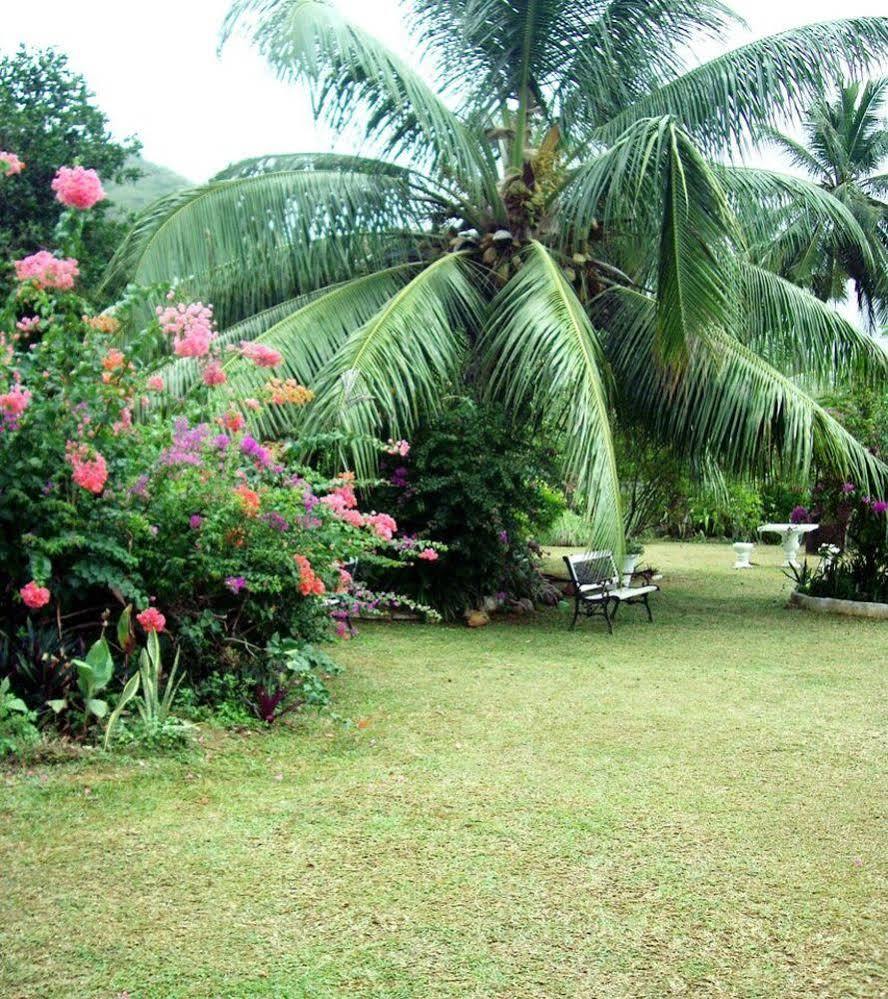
849, 608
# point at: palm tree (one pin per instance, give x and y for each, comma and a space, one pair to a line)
845, 144
554, 232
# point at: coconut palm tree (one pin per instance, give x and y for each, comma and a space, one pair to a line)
845, 145
550, 226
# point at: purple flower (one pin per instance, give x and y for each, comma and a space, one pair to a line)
253, 449
236, 584
275, 521
399, 478
880, 506
221, 442
848, 487
194, 521
140, 487
187, 444
799, 515
504, 537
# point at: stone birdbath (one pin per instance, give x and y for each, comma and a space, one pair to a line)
791, 537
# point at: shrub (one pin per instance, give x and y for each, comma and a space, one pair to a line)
113, 492
859, 570
476, 483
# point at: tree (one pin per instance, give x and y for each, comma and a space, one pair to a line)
48, 119
845, 145
561, 240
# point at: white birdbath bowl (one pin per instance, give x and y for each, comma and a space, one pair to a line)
791, 538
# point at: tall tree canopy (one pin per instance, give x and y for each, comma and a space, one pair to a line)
845, 150
48, 118
549, 225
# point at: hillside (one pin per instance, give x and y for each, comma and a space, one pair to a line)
155, 183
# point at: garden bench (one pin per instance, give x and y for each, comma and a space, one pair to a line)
597, 586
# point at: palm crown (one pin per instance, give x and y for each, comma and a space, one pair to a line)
555, 231
845, 145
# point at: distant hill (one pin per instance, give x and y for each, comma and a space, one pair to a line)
156, 182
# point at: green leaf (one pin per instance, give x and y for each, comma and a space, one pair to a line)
541, 351
128, 693
100, 659
124, 628
96, 707
58, 705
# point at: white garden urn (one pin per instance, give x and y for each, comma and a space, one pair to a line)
791, 539
743, 550
629, 565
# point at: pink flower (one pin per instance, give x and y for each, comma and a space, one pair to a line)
261, 355
151, 619
214, 375
78, 188
47, 271
429, 555
191, 326
155, 383
879, 506
401, 448
253, 404
10, 164
12, 404
382, 525
89, 470
233, 421
27, 324
34, 595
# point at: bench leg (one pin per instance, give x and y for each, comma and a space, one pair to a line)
573, 623
608, 618
647, 607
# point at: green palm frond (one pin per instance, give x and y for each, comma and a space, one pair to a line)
394, 368
355, 78
757, 194
308, 337
723, 100
540, 352
254, 240
800, 335
729, 402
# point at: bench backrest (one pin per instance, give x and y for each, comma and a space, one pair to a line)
592, 569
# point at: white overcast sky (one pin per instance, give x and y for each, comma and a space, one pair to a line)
154, 69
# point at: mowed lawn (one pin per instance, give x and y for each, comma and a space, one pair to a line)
694, 807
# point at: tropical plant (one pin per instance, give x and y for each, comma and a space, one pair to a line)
17, 728
845, 146
563, 240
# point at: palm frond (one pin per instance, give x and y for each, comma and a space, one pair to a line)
729, 402
394, 368
252, 241
728, 98
800, 335
540, 352
356, 78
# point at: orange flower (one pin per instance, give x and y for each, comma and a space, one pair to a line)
113, 360
288, 392
249, 499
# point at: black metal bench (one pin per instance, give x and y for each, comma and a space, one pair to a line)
598, 587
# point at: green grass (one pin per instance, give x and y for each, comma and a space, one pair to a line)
693, 807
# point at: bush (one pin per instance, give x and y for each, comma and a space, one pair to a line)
113, 492
474, 482
859, 571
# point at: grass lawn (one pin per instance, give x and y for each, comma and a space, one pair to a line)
694, 807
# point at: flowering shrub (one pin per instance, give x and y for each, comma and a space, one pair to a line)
469, 481
10, 164
859, 569
220, 539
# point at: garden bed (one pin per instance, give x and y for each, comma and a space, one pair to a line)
848, 608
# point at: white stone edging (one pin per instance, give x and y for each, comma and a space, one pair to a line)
848, 608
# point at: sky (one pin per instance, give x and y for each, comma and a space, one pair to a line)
155, 70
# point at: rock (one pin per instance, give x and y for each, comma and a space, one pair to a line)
477, 619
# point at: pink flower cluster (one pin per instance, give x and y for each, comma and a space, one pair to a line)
47, 271
213, 374
27, 324
12, 404
399, 448
151, 619
191, 327
89, 470
34, 596
261, 355
12, 164
343, 502
78, 188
